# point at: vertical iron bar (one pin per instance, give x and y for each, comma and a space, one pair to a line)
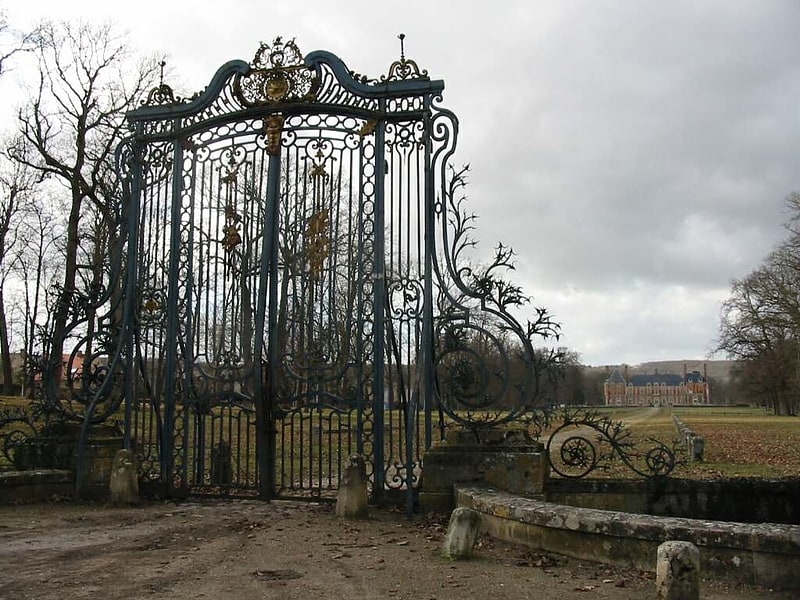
266, 432
378, 307
130, 285
171, 360
427, 356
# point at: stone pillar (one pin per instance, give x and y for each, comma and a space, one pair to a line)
504, 459
678, 571
461, 533
124, 486
221, 465
102, 445
351, 501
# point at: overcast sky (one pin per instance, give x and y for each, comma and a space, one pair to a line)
635, 154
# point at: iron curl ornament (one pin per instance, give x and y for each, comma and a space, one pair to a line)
486, 366
586, 441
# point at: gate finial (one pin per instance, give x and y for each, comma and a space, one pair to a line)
404, 69
162, 94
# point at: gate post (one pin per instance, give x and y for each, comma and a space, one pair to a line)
265, 407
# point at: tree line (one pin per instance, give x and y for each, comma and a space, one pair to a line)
760, 324
56, 174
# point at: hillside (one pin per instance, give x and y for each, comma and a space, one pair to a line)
718, 370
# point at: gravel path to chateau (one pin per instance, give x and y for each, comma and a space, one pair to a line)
253, 550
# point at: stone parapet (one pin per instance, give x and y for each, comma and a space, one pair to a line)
751, 500
765, 554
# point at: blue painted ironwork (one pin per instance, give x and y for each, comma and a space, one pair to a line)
296, 257
583, 441
288, 284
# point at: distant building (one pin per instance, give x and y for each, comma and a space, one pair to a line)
656, 389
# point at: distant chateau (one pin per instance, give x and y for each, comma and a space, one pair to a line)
656, 389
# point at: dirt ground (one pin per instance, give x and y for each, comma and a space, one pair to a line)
243, 549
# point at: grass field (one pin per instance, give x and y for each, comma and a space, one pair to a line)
739, 442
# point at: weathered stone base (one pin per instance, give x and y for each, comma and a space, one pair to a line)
462, 531
35, 486
678, 571
351, 501
757, 554
519, 468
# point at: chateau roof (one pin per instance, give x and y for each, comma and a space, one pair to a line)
656, 379
642, 380
615, 377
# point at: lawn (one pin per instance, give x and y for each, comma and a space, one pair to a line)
739, 442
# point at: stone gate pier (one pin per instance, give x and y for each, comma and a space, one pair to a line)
506, 459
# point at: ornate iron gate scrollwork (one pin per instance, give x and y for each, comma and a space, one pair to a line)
295, 281
287, 284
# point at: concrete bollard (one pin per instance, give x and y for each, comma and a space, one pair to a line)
351, 501
678, 571
461, 533
124, 483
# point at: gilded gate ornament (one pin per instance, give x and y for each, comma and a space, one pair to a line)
318, 241
273, 126
278, 75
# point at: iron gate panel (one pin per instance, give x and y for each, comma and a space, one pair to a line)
261, 277
288, 282
297, 294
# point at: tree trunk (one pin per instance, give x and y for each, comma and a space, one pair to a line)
55, 364
5, 354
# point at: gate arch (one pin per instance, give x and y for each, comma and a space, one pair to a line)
295, 283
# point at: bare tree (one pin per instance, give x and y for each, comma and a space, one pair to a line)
37, 268
87, 79
11, 42
17, 186
760, 325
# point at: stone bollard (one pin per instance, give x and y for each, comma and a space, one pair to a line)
461, 533
351, 501
124, 484
696, 448
221, 465
678, 571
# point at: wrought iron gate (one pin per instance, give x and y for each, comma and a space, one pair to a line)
292, 286
287, 284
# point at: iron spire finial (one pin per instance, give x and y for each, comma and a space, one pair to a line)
162, 64
404, 69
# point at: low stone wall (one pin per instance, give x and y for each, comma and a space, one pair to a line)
756, 554
35, 486
43, 461
745, 500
